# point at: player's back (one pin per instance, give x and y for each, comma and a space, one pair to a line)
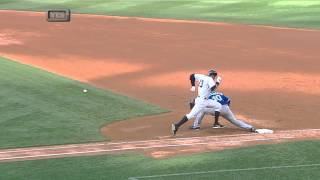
205, 85
220, 97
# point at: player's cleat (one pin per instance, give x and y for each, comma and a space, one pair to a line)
216, 126
194, 128
174, 129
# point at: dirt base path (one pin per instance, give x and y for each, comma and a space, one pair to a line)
271, 74
158, 148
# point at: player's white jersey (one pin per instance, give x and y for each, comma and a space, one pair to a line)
205, 85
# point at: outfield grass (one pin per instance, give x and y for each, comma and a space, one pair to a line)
40, 108
124, 166
291, 13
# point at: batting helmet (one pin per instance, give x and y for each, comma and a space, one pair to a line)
212, 72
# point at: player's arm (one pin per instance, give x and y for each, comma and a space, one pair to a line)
193, 82
213, 88
218, 82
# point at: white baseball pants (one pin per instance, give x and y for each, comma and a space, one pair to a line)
201, 104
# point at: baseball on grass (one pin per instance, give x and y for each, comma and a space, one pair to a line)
85, 90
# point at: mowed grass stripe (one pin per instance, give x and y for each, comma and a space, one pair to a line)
41, 108
288, 13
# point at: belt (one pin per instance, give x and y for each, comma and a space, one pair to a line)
203, 97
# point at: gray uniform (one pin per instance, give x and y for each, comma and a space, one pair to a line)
225, 112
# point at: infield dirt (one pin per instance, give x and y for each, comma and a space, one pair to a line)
271, 74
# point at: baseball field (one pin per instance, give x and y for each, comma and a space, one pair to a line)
94, 98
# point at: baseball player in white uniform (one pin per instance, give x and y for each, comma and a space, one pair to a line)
206, 84
224, 112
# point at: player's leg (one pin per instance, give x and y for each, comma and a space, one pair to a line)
200, 104
197, 121
200, 116
228, 115
216, 108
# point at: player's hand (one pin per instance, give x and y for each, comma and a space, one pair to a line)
193, 88
219, 79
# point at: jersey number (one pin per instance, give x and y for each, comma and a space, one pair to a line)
217, 98
201, 83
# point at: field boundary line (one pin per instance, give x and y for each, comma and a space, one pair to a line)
223, 170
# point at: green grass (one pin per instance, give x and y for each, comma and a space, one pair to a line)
40, 108
291, 13
130, 165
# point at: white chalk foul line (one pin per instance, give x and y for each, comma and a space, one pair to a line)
223, 170
119, 143
97, 151
135, 142
50, 148
132, 148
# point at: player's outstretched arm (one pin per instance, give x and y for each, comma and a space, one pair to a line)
218, 81
213, 88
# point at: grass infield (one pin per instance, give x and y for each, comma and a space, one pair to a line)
297, 160
288, 13
41, 108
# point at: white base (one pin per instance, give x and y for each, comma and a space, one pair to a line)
264, 131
